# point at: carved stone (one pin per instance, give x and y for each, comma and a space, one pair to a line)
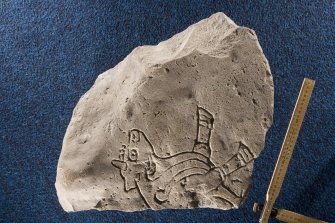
177, 125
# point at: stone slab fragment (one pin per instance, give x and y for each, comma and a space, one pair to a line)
176, 125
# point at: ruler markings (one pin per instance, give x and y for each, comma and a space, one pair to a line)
287, 148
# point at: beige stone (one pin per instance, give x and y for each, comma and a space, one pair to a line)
176, 125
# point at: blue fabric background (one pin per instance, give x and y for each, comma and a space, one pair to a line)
52, 52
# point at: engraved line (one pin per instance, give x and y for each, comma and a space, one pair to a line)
181, 172
185, 152
139, 190
224, 199
173, 180
154, 151
175, 166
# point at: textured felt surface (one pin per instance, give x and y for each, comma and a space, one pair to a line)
52, 51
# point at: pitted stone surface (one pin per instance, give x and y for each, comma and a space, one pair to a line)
176, 125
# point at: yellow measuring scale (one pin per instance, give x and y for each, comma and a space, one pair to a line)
277, 179
287, 216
